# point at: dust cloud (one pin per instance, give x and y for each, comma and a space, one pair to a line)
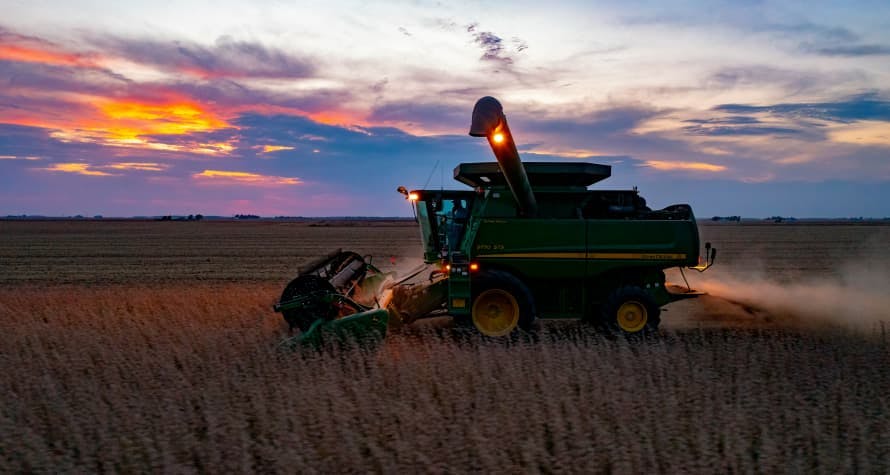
405, 265
857, 296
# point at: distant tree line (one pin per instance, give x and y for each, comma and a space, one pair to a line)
191, 217
780, 219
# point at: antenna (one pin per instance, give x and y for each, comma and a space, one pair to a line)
431, 175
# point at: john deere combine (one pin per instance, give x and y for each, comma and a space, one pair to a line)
524, 241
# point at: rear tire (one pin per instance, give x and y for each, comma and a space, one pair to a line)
630, 310
501, 304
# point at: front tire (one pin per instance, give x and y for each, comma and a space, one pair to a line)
630, 310
501, 304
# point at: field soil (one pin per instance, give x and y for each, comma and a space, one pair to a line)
151, 346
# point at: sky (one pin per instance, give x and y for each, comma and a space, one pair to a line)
294, 108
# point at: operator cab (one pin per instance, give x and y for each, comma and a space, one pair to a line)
442, 216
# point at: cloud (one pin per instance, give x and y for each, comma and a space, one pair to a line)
13, 157
138, 166
274, 148
90, 103
868, 106
90, 109
734, 15
226, 58
562, 153
727, 120
847, 50
30, 49
134, 119
25, 141
790, 81
678, 165
714, 129
77, 168
866, 133
35, 55
610, 119
223, 177
493, 47
825, 32
418, 116
36, 78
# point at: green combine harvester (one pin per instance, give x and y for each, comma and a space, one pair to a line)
526, 241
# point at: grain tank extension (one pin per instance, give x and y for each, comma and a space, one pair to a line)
524, 241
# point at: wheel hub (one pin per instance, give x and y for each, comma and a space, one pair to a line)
495, 312
632, 316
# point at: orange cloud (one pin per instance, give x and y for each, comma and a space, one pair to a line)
275, 148
213, 148
138, 166
78, 168
135, 124
10, 52
132, 119
223, 177
335, 117
866, 132
576, 153
693, 166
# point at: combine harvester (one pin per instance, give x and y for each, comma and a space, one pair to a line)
527, 241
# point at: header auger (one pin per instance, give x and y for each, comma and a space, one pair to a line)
527, 241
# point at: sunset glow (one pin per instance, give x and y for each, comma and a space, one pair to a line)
359, 98
133, 119
143, 125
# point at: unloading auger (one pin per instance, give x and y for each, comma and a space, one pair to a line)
526, 241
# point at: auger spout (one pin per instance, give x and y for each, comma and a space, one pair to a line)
490, 122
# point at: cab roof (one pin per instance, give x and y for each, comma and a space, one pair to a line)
540, 174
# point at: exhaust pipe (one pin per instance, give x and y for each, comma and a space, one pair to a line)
489, 121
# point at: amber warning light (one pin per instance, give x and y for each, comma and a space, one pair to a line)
497, 137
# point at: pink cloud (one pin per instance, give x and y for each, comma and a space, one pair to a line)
224, 177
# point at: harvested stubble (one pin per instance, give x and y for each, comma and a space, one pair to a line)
180, 379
